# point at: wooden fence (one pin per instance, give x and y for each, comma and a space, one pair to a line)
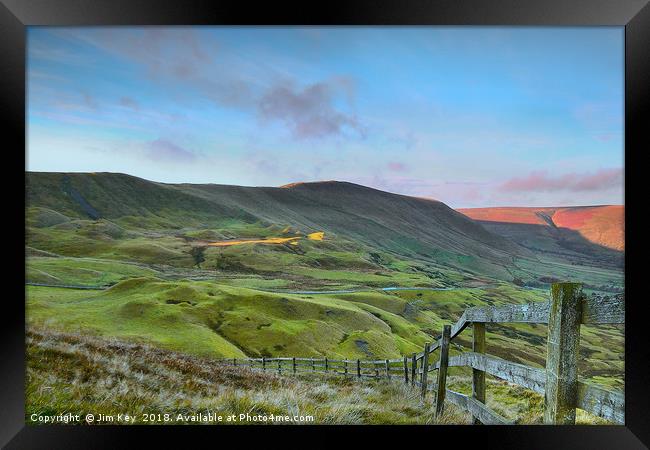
563, 390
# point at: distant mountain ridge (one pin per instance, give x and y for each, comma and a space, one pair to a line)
593, 235
485, 241
601, 224
412, 227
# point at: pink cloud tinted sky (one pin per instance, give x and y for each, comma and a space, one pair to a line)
482, 116
573, 182
396, 166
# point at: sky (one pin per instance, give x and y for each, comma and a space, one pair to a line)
471, 116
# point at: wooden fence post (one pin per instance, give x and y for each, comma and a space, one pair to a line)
414, 368
406, 369
326, 368
313, 365
293, 362
263, 363
234, 362
478, 376
563, 340
345, 366
442, 371
424, 366
387, 369
358, 368
279, 366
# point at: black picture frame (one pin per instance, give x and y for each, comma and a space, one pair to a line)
15, 15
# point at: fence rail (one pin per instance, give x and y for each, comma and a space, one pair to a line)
559, 382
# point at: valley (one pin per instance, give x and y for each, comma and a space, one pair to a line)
584, 235
363, 225
314, 269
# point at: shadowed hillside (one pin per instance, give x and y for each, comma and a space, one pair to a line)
602, 225
410, 227
112, 196
583, 234
407, 225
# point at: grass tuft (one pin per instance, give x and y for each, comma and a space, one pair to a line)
69, 372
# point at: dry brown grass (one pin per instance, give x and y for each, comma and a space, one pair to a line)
83, 374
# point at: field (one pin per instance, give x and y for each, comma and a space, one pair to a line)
81, 374
190, 272
64, 369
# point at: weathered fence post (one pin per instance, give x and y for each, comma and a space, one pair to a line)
442, 370
234, 362
326, 368
387, 369
293, 363
263, 363
345, 366
406, 369
424, 366
414, 368
563, 340
279, 366
313, 365
478, 376
358, 368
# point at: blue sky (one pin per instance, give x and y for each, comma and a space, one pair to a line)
494, 116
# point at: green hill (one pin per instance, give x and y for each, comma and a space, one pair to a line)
148, 245
112, 195
583, 235
418, 229
413, 227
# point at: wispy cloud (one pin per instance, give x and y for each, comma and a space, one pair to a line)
278, 105
186, 59
174, 51
576, 182
162, 150
395, 166
90, 101
129, 103
406, 139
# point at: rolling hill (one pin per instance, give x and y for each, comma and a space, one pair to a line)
315, 269
593, 234
414, 228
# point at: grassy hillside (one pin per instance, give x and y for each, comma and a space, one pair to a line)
170, 289
585, 235
216, 320
601, 225
111, 195
224, 271
79, 374
373, 233
408, 227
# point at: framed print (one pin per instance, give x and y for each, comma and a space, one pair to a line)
407, 219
